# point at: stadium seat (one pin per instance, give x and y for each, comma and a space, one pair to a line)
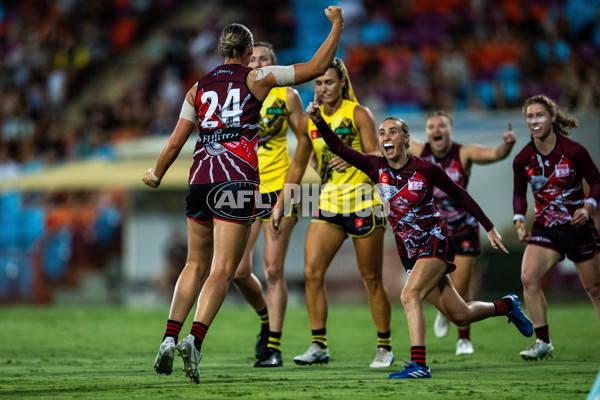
31, 226
57, 253
486, 92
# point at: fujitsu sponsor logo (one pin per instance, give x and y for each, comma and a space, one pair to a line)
219, 136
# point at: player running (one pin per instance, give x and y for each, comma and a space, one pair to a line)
346, 208
425, 247
555, 167
457, 160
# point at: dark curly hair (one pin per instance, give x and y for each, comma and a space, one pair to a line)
563, 123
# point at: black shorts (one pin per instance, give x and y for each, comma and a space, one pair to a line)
228, 201
467, 242
442, 249
578, 244
352, 224
268, 201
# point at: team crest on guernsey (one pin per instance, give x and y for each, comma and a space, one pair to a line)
272, 122
415, 185
345, 130
453, 173
562, 170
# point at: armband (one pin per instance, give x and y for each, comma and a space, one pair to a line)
153, 177
188, 111
284, 75
518, 217
592, 201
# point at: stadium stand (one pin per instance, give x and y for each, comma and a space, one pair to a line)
79, 77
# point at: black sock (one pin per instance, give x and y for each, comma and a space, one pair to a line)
543, 333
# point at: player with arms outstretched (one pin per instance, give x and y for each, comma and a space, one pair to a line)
424, 244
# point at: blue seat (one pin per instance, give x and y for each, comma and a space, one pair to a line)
486, 92
375, 32
400, 109
509, 78
31, 226
57, 253
9, 232
10, 203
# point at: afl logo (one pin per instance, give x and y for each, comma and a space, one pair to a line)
236, 200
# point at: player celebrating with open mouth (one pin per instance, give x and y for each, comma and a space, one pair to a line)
406, 185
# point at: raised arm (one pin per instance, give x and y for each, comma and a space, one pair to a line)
416, 148
318, 65
365, 123
476, 154
262, 80
360, 160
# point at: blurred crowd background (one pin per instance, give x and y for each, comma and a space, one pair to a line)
78, 77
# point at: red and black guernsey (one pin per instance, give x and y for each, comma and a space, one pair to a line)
407, 194
228, 115
458, 219
555, 180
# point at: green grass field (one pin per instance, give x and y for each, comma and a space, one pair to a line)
108, 353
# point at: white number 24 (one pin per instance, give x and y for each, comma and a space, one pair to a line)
230, 111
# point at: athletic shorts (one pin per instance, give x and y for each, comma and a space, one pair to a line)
442, 249
466, 243
268, 201
578, 244
228, 201
354, 225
